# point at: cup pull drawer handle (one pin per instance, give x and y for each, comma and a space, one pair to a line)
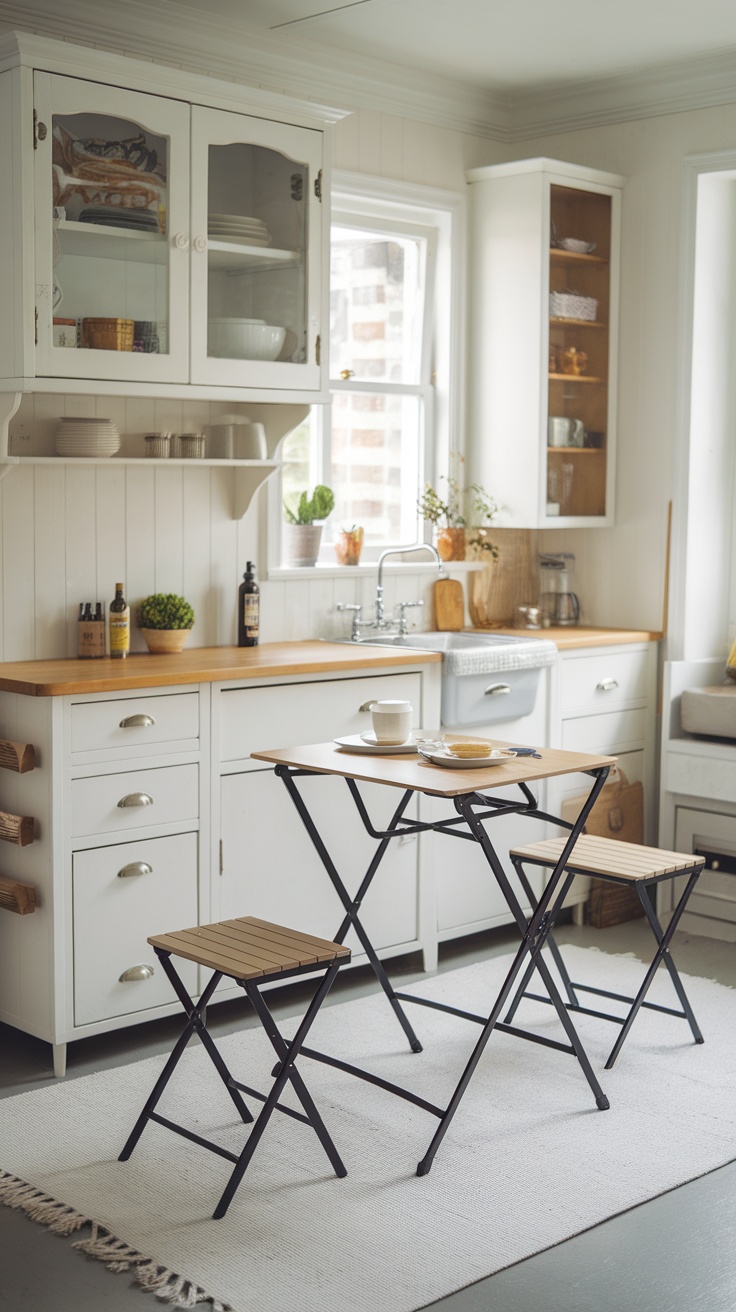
607, 685
137, 722
135, 868
367, 706
136, 799
497, 689
135, 973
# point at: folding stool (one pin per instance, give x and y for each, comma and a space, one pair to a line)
619, 863
252, 952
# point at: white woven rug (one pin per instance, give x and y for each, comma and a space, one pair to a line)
528, 1161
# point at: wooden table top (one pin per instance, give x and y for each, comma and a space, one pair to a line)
410, 771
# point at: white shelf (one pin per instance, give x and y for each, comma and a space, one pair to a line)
234, 258
248, 475
107, 243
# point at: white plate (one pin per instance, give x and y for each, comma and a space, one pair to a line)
356, 742
443, 757
239, 239
234, 218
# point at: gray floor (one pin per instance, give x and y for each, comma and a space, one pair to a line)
674, 1254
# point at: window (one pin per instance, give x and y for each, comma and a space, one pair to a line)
394, 346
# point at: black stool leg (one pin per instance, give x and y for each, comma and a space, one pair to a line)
286, 1072
172, 1063
567, 983
664, 938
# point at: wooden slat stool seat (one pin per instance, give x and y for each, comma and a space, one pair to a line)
252, 952
619, 863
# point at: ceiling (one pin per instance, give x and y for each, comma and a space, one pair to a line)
505, 69
502, 46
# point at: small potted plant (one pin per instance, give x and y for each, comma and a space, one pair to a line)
349, 545
165, 621
452, 514
304, 525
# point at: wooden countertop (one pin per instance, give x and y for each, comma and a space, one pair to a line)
199, 665
578, 635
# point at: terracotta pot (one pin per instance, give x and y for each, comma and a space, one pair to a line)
165, 641
451, 543
302, 543
348, 546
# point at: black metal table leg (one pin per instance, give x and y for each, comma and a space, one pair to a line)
352, 905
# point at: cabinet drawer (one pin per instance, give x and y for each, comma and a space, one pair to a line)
136, 723
115, 913
604, 733
603, 679
254, 719
96, 808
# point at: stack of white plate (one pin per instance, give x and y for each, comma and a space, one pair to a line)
79, 436
238, 228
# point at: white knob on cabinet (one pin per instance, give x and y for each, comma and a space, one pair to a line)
181, 241
200, 244
607, 685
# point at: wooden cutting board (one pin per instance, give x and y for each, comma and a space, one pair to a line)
449, 605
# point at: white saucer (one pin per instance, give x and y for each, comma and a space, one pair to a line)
443, 757
366, 743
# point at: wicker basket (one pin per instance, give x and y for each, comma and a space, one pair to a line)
108, 334
571, 305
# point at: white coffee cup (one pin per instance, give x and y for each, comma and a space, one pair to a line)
391, 722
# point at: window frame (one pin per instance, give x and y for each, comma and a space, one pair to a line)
440, 216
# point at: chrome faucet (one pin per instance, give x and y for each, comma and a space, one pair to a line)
379, 622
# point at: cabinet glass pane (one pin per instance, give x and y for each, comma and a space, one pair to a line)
111, 268
579, 283
256, 254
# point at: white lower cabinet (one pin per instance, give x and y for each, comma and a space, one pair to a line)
117, 893
268, 864
469, 898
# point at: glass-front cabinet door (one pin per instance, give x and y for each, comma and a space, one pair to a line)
256, 252
578, 408
112, 232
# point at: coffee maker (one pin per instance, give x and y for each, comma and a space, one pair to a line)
558, 603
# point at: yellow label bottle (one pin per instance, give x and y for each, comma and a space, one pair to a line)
119, 624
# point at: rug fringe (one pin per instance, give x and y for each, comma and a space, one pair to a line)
119, 1256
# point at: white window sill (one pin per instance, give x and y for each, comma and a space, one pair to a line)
330, 571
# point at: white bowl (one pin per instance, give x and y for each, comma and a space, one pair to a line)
578, 246
243, 339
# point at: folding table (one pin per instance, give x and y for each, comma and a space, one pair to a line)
466, 789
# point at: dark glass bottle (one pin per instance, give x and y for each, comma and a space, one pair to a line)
249, 603
119, 624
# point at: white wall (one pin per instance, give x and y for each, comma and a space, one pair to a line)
67, 534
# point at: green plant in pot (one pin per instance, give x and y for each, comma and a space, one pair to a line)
165, 620
304, 525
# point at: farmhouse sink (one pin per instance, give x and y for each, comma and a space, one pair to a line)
468, 695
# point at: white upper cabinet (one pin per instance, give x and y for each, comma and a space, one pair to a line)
175, 238
543, 343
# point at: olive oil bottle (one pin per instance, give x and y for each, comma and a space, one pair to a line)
248, 608
119, 624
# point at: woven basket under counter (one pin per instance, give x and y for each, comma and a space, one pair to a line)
108, 334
